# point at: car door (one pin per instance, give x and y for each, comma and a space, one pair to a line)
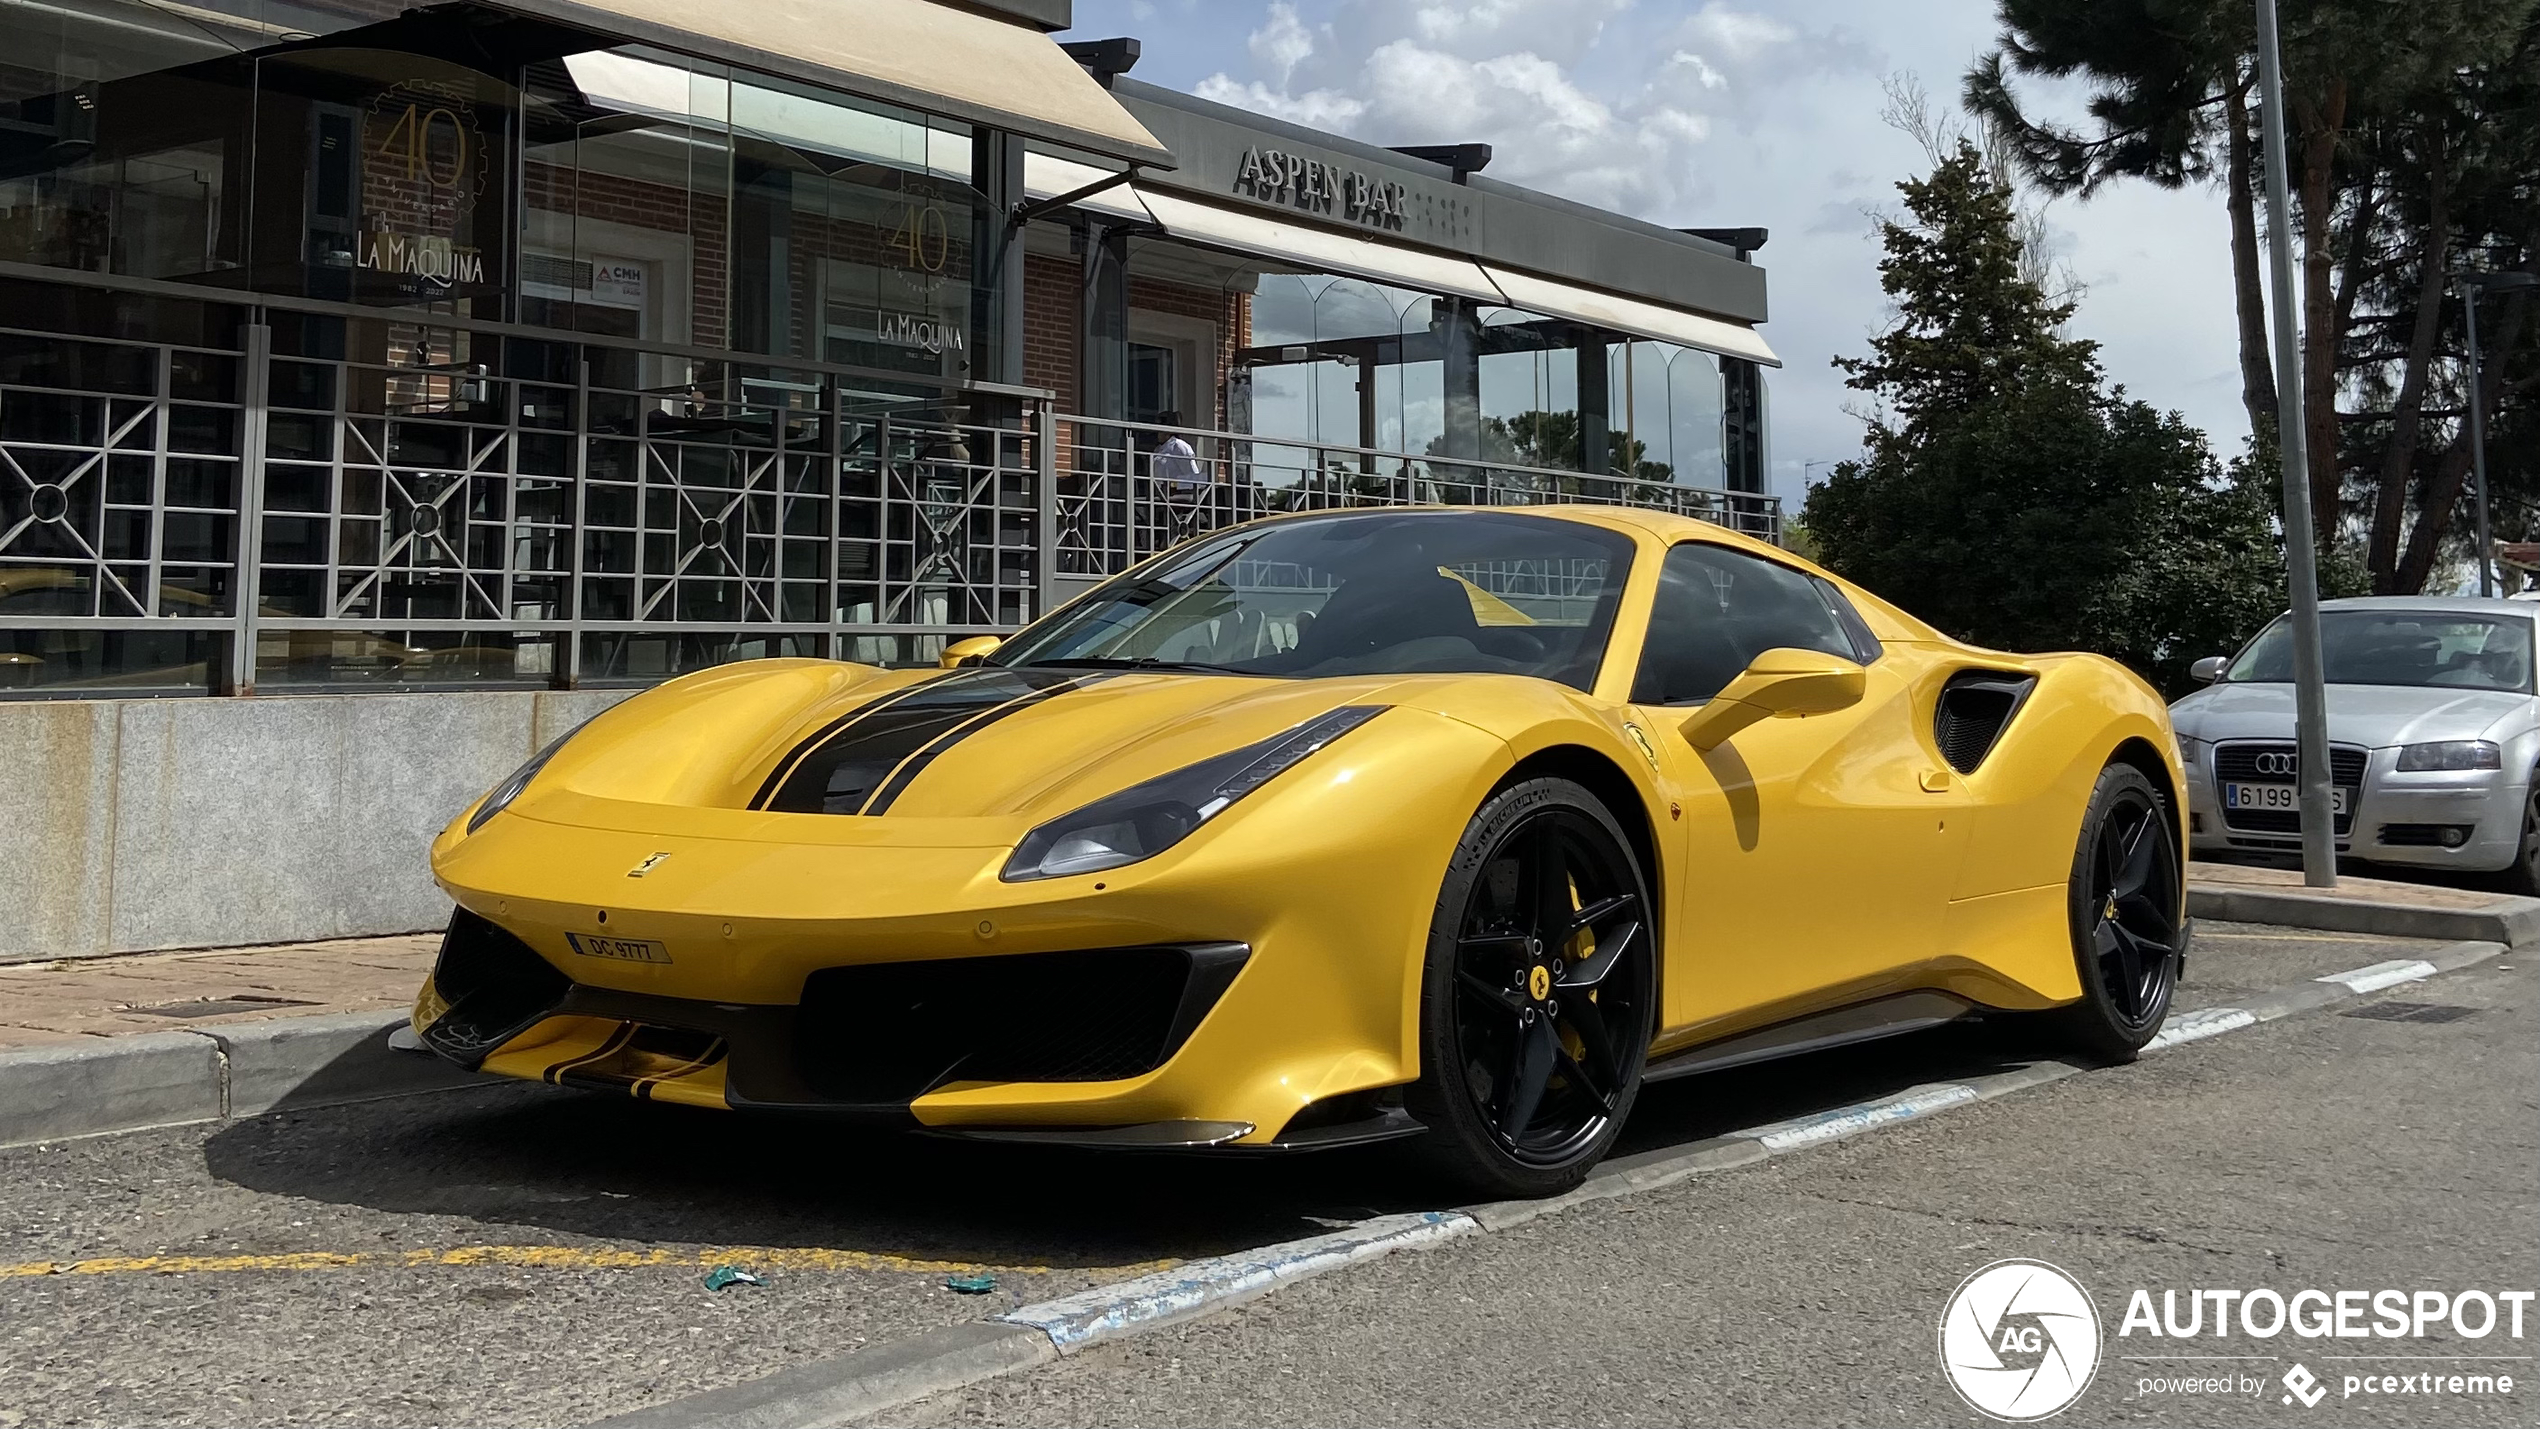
1818, 850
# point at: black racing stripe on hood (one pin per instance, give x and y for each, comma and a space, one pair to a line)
843, 770
776, 777
916, 763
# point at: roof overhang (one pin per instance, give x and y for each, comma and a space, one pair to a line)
1248, 233
1631, 315
927, 55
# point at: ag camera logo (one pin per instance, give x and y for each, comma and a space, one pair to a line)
2019, 1340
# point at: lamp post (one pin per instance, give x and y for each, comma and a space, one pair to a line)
2301, 554
2473, 286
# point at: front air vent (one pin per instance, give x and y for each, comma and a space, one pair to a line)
1975, 707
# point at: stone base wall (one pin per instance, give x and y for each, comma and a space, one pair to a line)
135, 825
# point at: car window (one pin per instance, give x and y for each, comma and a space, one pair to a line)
1381, 592
2432, 648
1718, 609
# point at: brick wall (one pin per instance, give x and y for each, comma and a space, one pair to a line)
663, 208
1050, 328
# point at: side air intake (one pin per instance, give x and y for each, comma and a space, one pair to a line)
1975, 707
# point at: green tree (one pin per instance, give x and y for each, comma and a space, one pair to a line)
2006, 493
1551, 440
2414, 150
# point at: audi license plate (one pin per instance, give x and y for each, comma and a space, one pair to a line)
2277, 796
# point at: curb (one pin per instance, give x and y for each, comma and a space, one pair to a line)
2514, 922
866, 1382
97, 1085
872, 1380
833, 1392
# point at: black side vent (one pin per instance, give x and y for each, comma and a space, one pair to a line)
1975, 707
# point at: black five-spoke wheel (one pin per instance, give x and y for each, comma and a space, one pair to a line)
2127, 918
1541, 979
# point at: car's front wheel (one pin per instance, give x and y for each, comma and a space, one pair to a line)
2128, 925
1538, 994
2523, 874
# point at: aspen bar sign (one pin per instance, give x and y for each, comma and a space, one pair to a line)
1278, 177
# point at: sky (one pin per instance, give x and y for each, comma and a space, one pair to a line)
1703, 113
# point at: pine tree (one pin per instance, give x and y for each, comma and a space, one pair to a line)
2005, 493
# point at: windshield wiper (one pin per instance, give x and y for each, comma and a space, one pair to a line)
1141, 662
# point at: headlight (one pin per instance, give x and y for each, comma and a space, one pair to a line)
511, 788
2191, 751
1145, 819
2450, 754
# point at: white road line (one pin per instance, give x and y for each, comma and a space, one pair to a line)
1845, 1121
2381, 975
1198, 1286
2203, 1022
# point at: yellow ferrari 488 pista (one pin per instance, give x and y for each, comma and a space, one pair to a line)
1448, 824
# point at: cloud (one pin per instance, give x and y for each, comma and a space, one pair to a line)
1317, 108
1279, 44
1603, 101
1719, 113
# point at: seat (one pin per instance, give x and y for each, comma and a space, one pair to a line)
1367, 615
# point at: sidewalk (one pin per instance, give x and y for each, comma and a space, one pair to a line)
80, 998
2242, 894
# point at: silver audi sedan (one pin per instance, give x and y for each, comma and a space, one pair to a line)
2433, 736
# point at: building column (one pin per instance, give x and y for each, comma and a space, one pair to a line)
1596, 404
1457, 323
996, 297
1102, 363
1742, 384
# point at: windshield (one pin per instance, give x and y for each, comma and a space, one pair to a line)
1376, 593
2400, 647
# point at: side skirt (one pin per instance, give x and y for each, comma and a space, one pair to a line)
1861, 1022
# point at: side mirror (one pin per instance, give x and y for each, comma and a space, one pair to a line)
2208, 669
969, 652
1781, 684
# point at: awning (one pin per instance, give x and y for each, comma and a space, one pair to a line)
1046, 176
923, 54
1631, 315
1318, 249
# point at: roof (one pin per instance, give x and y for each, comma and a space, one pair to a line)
2449, 604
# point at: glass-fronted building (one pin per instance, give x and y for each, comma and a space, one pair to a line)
549, 343
404, 384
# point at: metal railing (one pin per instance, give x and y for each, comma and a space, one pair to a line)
1122, 494
470, 506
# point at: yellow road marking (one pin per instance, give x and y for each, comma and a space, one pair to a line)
541, 1257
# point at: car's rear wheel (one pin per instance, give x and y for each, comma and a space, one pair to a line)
1538, 994
2128, 925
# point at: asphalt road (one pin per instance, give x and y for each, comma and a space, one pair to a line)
518, 1255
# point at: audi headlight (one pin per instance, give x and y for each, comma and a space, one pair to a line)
1145, 819
2191, 750
511, 788
2450, 754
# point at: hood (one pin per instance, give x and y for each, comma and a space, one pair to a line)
980, 743
2370, 715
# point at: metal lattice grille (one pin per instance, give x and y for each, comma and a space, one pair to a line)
400, 501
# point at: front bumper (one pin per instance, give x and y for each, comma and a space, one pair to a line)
663, 928
2470, 820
